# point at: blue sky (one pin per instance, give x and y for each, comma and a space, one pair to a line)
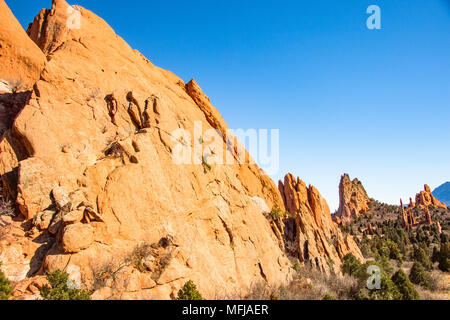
371, 103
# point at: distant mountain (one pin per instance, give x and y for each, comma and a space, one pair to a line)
442, 193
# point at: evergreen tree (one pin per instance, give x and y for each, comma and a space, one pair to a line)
404, 286
351, 265
420, 276
189, 292
421, 256
60, 290
444, 257
5, 287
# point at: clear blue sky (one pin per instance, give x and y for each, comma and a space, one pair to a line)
371, 103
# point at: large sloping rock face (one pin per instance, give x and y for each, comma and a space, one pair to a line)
353, 199
20, 59
90, 162
310, 234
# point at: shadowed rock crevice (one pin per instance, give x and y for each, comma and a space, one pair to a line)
11, 104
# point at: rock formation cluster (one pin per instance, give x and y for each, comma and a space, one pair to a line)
310, 233
424, 200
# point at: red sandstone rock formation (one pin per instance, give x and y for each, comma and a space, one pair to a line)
425, 198
353, 199
428, 219
405, 217
311, 235
411, 203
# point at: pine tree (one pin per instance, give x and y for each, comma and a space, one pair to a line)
420, 276
189, 292
404, 286
444, 257
351, 265
421, 256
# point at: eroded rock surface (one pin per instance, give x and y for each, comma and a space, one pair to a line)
426, 198
310, 233
353, 199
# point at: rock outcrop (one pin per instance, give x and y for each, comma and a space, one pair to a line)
425, 198
89, 160
310, 233
353, 199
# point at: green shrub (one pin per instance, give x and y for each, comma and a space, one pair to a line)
59, 282
351, 265
394, 252
189, 292
328, 297
385, 264
404, 286
205, 163
420, 255
435, 255
5, 287
388, 290
297, 267
362, 295
444, 257
277, 213
420, 276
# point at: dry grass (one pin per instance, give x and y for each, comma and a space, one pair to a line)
145, 257
442, 291
310, 285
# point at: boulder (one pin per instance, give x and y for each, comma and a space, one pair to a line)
77, 237
42, 220
73, 217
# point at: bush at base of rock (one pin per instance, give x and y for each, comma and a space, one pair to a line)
189, 292
60, 290
5, 286
351, 265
